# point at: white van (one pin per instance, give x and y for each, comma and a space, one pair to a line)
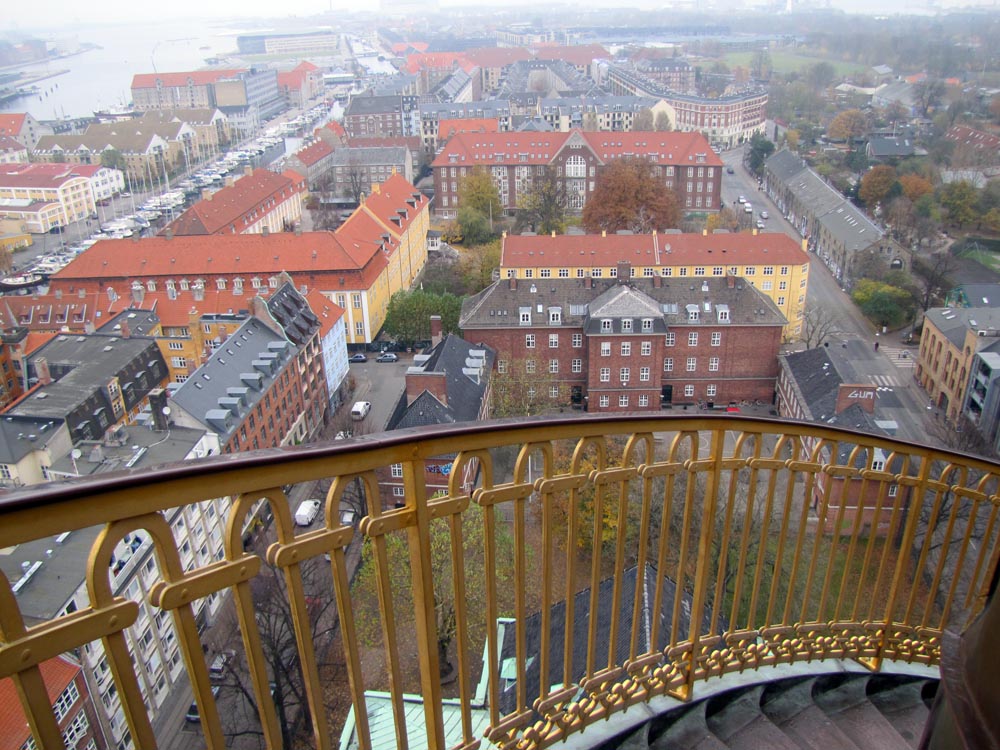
307, 512
360, 409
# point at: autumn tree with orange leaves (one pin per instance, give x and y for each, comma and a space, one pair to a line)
628, 195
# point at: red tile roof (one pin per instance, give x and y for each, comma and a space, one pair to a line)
176, 312
57, 673
53, 169
50, 312
195, 256
541, 148
336, 128
392, 196
328, 312
11, 122
448, 128
435, 61
195, 77
310, 258
312, 154
976, 138
295, 77
571, 251
9, 143
230, 206
41, 175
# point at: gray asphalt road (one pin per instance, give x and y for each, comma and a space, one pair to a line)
900, 398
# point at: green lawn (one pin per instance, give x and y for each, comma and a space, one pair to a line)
986, 252
788, 62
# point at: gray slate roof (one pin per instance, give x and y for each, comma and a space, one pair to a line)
817, 380
784, 165
16, 433
499, 306
887, 147
954, 322
374, 105
81, 368
456, 359
369, 156
849, 225
220, 394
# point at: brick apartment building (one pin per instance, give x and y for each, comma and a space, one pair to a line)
772, 262
632, 344
71, 703
684, 161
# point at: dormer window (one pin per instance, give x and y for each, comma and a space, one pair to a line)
627, 325
647, 324
555, 316
606, 326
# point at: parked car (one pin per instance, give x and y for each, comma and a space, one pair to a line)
387, 357
743, 199
307, 511
763, 214
359, 357
730, 170
217, 669
193, 714
360, 410
761, 225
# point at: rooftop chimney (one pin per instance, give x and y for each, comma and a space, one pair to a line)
512, 283
126, 331
731, 281
624, 271
862, 395
168, 233
42, 370
157, 403
206, 194
435, 330
247, 170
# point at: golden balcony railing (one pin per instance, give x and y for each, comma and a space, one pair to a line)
555, 571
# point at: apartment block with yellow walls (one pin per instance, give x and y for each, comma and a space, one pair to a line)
774, 263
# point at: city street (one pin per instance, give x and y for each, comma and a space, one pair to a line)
853, 337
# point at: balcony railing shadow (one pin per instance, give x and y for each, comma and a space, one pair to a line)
535, 577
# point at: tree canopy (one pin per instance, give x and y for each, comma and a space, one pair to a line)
542, 207
408, 318
629, 196
883, 304
478, 191
760, 149
848, 125
479, 206
643, 120
876, 185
